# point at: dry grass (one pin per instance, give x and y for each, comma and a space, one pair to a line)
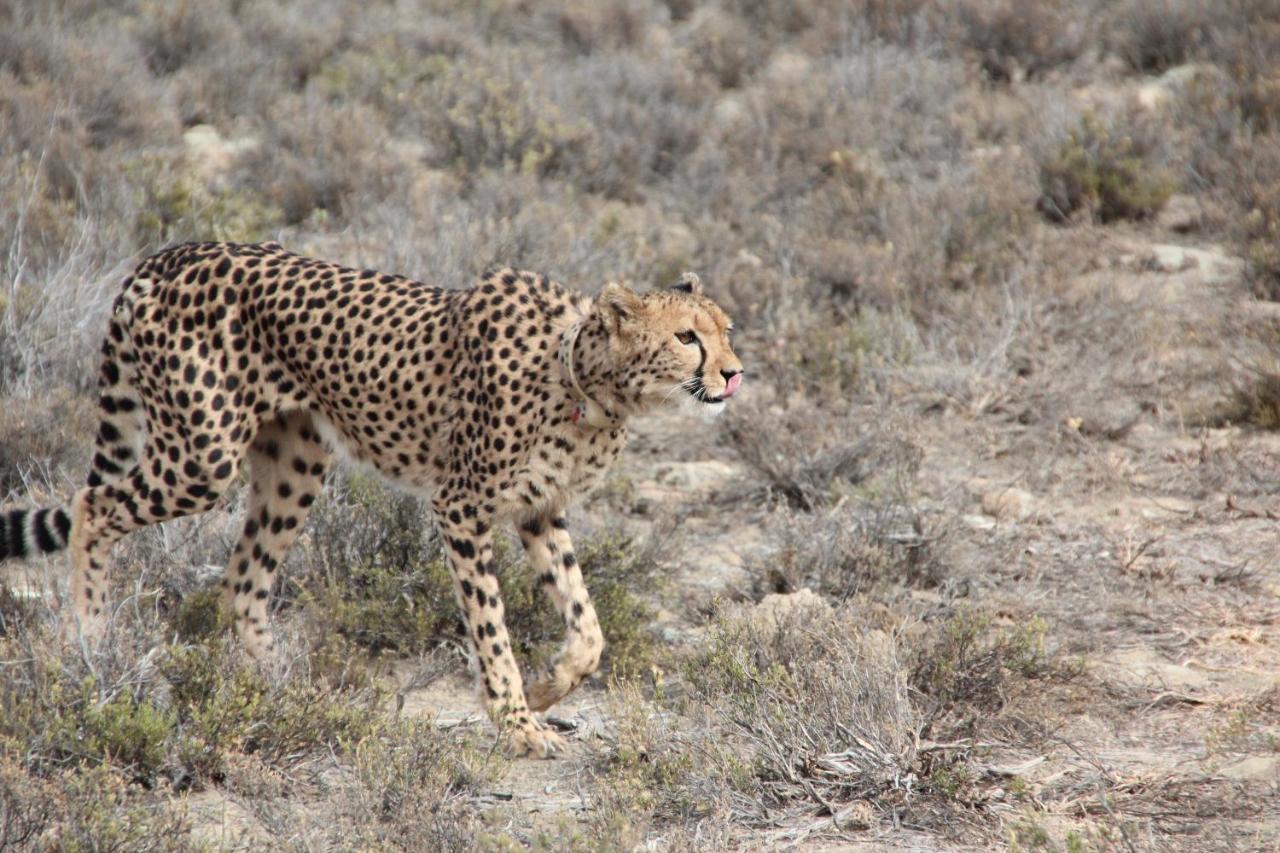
864, 186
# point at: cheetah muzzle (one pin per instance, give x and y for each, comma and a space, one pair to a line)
502, 402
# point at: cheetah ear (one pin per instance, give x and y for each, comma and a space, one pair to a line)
688, 282
618, 304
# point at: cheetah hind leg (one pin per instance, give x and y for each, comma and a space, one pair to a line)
149, 493
287, 464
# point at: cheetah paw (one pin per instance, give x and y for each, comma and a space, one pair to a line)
546, 691
534, 741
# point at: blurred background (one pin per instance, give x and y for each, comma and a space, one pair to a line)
983, 555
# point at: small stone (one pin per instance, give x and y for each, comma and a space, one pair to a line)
779, 605
1181, 213
729, 111
1259, 768
977, 522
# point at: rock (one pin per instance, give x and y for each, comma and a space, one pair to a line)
1210, 266
1146, 667
1181, 213
729, 111
788, 68
977, 522
676, 242
210, 154
705, 474
1259, 768
1175, 83
781, 605
1008, 504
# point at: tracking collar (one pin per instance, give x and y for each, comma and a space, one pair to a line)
586, 409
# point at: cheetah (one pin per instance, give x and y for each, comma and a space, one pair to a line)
500, 403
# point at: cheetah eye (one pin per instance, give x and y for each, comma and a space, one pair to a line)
686, 338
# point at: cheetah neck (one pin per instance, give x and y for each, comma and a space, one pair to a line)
589, 409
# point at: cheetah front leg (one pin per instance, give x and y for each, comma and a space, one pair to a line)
469, 543
546, 541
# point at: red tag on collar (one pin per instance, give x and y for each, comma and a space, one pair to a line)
577, 414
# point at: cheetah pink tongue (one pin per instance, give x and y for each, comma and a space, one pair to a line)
731, 387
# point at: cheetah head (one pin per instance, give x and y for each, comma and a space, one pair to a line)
672, 344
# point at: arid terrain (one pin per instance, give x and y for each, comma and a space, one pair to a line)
986, 555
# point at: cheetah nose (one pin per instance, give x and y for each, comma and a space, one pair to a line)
733, 379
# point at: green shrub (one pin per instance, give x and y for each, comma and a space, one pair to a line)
483, 115
83, 809
54, 720
963, 668
384, 582
200, 616
175, 205
1110, 176
1255, 184
222, 706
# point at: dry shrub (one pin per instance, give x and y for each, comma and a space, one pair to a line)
1253, 185
603, 27
1021, 39
857, 548
876, 99
795, 712
1105, 171
412, 781
84, 810
637, 122
491, 116
1153, 35
100, 85
173, 35
821, 702
1244, 41
809, 458
1254, 395
722, 46
963, 668
317, 157
50, 433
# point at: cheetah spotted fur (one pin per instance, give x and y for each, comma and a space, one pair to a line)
502, 402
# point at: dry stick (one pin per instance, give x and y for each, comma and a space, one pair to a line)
1248, 512
1104, 774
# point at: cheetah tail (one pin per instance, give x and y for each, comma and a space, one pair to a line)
28, 531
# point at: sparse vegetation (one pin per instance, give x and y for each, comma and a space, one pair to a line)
943, 230
1105, 172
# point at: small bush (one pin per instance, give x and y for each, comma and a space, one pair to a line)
1253, 183
1107, 174
858, 548
222, 707
60, 721
176, 206
1153, 35
822, 701
491, 116
84, 809
1012, 37
811, 458
412, 783
52, 432
385, 584
962, 670
176, 715
1254, 397
316, 157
